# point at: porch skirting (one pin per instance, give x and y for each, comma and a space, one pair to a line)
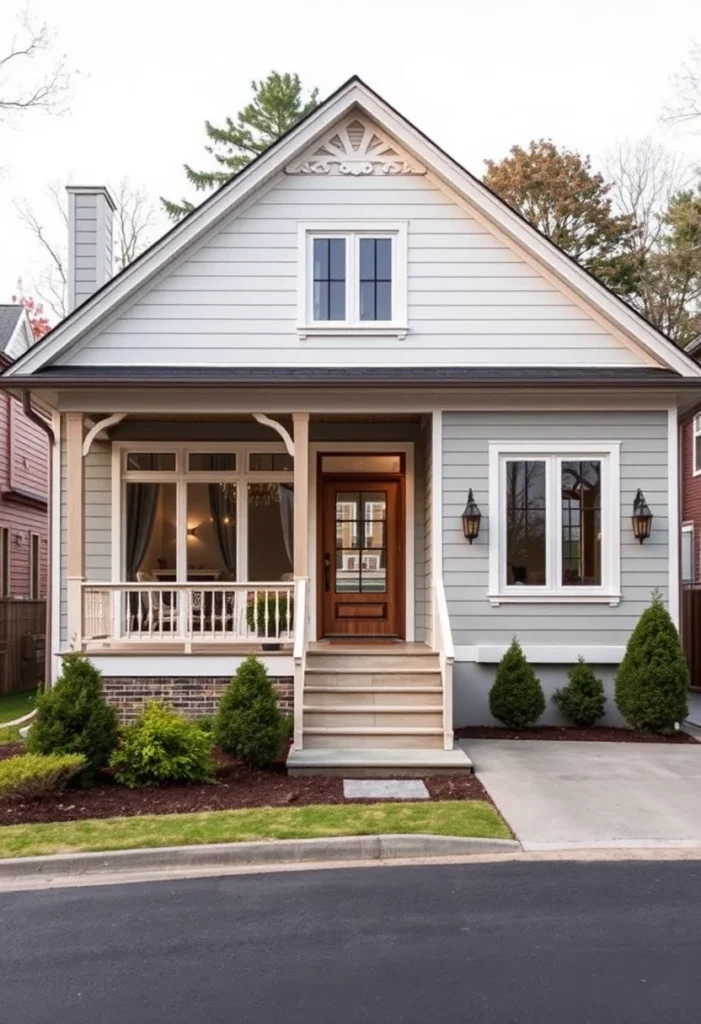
193, 696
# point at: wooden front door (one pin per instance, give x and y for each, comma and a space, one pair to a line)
362, 557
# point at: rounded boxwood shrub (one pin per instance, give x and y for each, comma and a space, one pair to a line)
162, 746
583, 700
73, 717
32, 776
516, 697
652, 682
249, 724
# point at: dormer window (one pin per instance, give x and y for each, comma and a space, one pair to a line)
352, 280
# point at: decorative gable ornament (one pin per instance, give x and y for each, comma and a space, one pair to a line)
356, 148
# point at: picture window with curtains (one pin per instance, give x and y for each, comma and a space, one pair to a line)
214, 513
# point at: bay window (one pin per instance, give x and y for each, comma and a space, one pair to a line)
554, 522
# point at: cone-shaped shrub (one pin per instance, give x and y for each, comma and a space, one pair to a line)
583, 700
516, 697
652, 682
73, 717
249, 724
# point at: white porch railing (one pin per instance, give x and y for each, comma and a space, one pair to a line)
301, 633
443, 644
168, 612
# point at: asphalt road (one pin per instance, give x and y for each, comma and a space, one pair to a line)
545, 942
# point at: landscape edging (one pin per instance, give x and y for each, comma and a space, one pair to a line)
266, 852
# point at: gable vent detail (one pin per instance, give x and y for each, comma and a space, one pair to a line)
356, 148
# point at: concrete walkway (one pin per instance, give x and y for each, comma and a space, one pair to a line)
559, 795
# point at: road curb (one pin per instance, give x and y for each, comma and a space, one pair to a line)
265, 853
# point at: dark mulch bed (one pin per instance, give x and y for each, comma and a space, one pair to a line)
10, 749
235, 788
597, 734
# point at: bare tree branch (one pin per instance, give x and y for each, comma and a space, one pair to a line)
20, 90
134, 221
686, 108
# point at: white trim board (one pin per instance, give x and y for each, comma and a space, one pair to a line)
487, 654
674, 533
164, 666
55, 528
356, 95
337, 447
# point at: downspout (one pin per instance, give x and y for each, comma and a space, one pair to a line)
39, 421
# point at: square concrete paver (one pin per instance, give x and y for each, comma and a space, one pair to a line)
384, 789
557, 795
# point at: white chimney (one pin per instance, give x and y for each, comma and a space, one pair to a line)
90, 217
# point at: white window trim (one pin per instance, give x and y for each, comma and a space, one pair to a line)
5, 578
352, 231
181, 476
687, 528
610, 590
695, 433
34, 596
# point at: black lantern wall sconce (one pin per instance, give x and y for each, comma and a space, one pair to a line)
641, 518
471, 518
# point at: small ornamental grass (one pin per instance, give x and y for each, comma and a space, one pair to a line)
652, 682
32, 776
249, 724
516, 697
583, 700
73, 717
161, 746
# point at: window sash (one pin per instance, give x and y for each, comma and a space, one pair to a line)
687, 554
554, 524
352, 239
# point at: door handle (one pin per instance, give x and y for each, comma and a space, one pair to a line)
327, 571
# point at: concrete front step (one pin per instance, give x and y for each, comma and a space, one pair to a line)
375, 736
365, 717
369, 762
384, 696
373, 679
378, 661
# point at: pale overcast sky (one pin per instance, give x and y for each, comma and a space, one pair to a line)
476, 77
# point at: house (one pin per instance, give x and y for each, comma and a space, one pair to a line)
356, 409
24, 460
690, 561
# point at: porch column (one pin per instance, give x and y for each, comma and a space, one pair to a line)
300, 421
75, 526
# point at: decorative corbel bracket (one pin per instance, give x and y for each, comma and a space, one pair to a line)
97, 428
265, 421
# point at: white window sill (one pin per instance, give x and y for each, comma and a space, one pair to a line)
554, 598
330, 329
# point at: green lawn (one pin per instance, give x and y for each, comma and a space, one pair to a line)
447, 818
14, 705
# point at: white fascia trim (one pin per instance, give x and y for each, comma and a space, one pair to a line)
55, 527
23, 326
610, 592
674, 513
164, 666
222, 204
488, 654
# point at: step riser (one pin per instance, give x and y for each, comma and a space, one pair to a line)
373, 742
337, 699
350, 662
368, 719
370, 680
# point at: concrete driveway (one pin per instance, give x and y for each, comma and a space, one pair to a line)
559, 795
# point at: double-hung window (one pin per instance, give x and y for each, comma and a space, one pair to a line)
697, 444
554, 522
352, 279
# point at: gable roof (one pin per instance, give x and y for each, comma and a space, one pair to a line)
15, 330
463, 186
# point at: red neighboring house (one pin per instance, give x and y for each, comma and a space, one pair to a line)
24, 478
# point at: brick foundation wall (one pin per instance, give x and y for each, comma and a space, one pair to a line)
193, 697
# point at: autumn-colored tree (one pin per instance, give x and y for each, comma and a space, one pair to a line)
278, 104
558, 192
35, 310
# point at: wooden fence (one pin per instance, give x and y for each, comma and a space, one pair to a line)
691, 631
22, 644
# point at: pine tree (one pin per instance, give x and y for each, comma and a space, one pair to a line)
583, 700
249, 724
652, 682
278, 104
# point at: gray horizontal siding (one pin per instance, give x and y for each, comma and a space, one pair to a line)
471, 299
643, 437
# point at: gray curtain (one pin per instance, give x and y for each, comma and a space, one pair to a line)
142, 500
287, 502
222, 505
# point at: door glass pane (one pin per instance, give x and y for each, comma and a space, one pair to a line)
581, 523
374, 554
347, 571
211, 532
525, 524
270, 532
361, 463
